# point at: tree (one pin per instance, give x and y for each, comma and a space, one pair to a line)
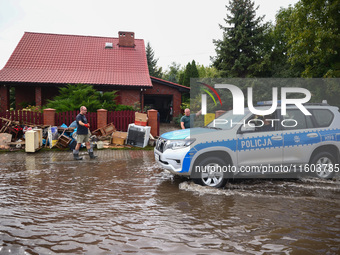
313, 39
278, 58
181, 77
273, 57
173, 73
239, 50
152, 62
194, 70
190, 72
72, 97
208, 72
187, 73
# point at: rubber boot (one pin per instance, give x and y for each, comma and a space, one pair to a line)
92, 156
76, 156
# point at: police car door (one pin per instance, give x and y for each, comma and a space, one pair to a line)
300, 137
260, 147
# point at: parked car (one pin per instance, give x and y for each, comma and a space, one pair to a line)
235, 146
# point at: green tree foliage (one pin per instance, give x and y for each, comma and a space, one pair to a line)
190, 72
208, 72
313, 39
187, 74
152, 62
173, 73
240, 50
194, 71
278, 56
72, 97
181, 77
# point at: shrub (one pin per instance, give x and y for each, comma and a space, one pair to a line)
72, 97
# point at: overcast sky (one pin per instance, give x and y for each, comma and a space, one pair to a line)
178, 30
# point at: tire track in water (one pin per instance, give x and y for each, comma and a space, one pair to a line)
203, 190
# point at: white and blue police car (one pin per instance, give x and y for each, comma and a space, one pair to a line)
235, 146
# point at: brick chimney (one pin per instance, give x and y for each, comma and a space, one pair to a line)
126, 39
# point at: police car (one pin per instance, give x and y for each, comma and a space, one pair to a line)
234, 146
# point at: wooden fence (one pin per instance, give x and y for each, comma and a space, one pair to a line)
68, 117
120, 119
24, 117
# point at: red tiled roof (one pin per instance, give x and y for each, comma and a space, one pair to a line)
54, 58
170, 83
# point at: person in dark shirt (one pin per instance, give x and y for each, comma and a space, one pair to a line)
267, 125
188, 119
83, 134
185, 120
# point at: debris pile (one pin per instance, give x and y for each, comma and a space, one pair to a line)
16, 135
12, 134
109, 137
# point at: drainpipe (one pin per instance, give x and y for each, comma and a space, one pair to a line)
142, 99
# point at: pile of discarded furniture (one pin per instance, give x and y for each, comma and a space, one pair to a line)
138, 134
15, 135
12, 133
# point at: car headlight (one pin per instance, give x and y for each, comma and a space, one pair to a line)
178, 144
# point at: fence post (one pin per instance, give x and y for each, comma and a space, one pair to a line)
101, 118
49, 117
152, 122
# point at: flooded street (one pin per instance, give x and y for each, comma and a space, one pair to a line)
123, 203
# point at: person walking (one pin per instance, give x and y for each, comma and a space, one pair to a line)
83, 134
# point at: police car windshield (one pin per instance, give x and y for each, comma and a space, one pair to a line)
226, 121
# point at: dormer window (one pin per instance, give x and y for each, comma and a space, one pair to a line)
108, 45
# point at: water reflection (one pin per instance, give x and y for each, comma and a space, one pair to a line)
123, 203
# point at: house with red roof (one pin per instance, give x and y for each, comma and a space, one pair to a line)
41, 63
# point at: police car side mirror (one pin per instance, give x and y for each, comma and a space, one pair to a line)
247, 128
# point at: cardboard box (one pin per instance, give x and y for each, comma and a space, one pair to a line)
141, 119
119, 137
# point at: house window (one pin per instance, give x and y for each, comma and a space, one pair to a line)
108, 45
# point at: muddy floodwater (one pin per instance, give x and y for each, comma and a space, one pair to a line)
123, 203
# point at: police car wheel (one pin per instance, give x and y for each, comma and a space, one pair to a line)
211, 173
324, 164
